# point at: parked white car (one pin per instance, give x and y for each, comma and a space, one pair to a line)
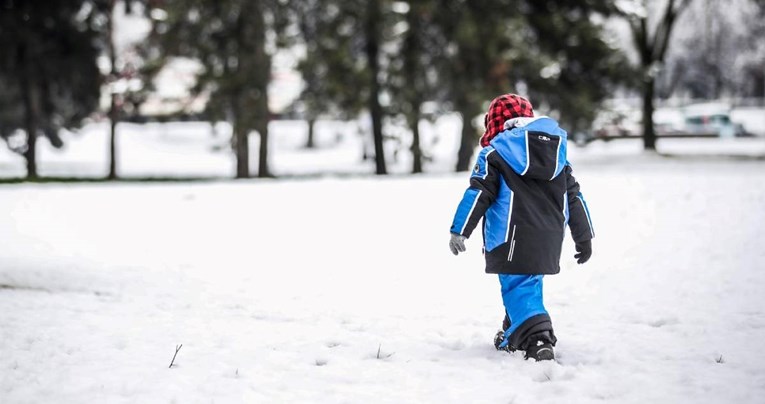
716, 124
711, 119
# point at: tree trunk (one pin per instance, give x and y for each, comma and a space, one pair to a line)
31, 112
467, 145
242, 156
414, 121
263, 170
375, 109
759, 85
413, 92
468, 139
652, 53
240, 139
310, 144
113, 141
113, 112
262, 64
649, 136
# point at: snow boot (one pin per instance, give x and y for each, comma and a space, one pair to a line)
498, 339
500, 336
540, 350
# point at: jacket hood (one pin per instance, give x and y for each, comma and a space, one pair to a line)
533, 147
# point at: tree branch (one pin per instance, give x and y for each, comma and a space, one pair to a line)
664, 30
640, 36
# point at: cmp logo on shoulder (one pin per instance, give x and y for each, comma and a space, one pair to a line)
544, 138
476, 169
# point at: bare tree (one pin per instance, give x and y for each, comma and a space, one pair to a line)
652, 47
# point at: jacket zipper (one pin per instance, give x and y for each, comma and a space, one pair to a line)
512, 246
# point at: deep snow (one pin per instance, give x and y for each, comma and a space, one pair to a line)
344, 290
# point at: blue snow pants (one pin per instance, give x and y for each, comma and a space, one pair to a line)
522, 297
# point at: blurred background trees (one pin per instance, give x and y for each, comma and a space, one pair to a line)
651, 40
414, 75
48, 71
391, 63
727, 57
229, 39
328, 33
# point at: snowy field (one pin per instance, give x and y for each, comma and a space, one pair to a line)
194, 149
332, 289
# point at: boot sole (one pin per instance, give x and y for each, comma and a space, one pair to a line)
545, 354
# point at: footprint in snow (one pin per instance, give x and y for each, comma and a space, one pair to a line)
455, 345
661, 322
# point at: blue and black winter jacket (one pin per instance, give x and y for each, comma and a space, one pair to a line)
523, 188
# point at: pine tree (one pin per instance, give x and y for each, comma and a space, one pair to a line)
48, 71
343, 66
461, 54
476, 44
414, 71
552, 47
567, 63
229, 38
373, 37
130, 71
334, 80
104, 10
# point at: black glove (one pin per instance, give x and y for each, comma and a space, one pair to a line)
584, 251
457, 244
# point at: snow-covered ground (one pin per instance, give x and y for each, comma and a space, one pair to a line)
343, 290
194, 149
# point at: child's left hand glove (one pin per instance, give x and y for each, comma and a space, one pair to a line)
584, 251
457, 243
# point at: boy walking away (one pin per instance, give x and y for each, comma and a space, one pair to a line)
523, 188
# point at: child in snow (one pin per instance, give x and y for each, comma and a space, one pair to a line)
523, 189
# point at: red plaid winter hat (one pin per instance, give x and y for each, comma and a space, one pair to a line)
502, 108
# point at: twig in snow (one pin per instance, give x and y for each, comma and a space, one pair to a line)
720, 360
177, 348
380, 355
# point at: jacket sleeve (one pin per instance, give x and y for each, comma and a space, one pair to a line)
579, 220
484, 185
